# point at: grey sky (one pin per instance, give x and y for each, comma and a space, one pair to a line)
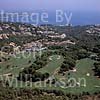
72, 5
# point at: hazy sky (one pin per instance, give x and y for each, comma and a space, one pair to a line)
72, 5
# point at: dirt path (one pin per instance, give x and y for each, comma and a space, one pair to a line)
55, 72
8, 74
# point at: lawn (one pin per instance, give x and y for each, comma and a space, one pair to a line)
83, 67
54, 63
16, 64
83, 70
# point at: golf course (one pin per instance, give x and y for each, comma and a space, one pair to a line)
83, 70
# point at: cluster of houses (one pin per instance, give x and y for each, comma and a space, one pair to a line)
29, 47
37, 46
33, 46
93, 30
48, 35
67, 42
9, 29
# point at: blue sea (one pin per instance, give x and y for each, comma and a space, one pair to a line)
66, 17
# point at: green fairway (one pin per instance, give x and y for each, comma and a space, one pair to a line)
16, 64
55, 62
83, 68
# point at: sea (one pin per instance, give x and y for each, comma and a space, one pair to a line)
57, 17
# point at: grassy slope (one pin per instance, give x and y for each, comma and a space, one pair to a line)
83, 67
52, 65
20, 62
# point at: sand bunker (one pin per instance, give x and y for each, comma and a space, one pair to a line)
88, 74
